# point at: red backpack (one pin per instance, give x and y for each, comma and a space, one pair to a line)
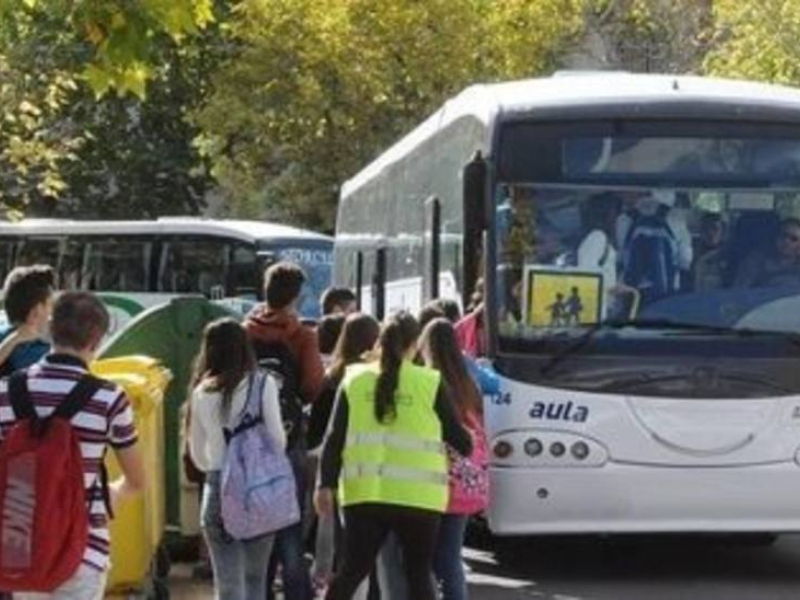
44, 525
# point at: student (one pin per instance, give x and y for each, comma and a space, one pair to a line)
367, 445
328, 332
105, 419
275, 331
224, 372
358, 338
338, 300
468, 477
450, 308
28, 298
470, 329
431, 311
277, 322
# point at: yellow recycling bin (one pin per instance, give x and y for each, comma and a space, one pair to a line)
138, 563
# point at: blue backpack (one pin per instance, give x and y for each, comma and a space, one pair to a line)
257, 490
650, 256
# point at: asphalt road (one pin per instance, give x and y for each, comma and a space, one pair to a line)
651, 568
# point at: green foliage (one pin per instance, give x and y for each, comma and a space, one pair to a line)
111, 156
651, 35
317, 89
115, 41
757, 40
34, 145
122, 108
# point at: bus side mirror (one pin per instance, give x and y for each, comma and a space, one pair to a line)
474, 190
475, 206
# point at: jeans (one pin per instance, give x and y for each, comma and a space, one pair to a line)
366, 529
240, 568
86, 584
447, 563
289, 545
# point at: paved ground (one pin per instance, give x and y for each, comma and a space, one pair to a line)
652, 568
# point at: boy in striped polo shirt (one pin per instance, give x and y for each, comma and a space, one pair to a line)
78, 324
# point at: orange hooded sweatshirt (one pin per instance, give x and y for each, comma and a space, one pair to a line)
270, 326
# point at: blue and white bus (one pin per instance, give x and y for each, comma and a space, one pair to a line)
639, 244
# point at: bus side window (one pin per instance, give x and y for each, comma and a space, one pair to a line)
6, 258
39, 251
195, 266
244, 277
117, 266
71, 268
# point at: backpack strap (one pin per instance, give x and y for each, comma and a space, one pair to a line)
252, 412
254, 404
20, 398
79, 396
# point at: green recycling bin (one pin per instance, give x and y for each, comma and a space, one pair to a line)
171, 333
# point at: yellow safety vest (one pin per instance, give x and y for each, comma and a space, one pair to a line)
402, 462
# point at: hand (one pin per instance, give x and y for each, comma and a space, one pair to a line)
323, 501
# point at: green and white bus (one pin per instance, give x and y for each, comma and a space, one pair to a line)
134, 265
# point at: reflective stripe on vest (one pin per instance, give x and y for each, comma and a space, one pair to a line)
400, 442
393, 472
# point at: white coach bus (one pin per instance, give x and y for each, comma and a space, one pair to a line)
137, 264
639, 244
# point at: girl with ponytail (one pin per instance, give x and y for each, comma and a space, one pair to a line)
384, 450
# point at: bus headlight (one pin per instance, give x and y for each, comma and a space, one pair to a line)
503, 449
580, 450
557, 449
533, 447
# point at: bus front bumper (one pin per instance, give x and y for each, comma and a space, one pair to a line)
618, 498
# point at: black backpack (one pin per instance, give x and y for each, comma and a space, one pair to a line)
278, 361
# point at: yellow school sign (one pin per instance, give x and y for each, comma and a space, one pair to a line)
562, 297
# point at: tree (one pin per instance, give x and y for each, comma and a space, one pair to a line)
651, 36
318, 89
113, 43
103, 155
756, 40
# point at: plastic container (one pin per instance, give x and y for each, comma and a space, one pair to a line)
171, 333
139, 563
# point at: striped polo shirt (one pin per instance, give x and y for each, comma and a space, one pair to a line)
106, 420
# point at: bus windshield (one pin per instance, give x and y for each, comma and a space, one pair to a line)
661, 234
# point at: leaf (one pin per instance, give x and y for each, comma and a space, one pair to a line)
134, 80
99, 79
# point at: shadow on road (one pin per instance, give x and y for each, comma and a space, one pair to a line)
635, 567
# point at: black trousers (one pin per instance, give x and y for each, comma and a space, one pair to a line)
365, 529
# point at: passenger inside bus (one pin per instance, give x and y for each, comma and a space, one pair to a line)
657, 246
710, 256
777, 264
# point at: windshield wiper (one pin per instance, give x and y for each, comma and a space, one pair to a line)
665, 324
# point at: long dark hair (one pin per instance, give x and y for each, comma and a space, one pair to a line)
399, 333
440, 350
359, 334
226, 357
